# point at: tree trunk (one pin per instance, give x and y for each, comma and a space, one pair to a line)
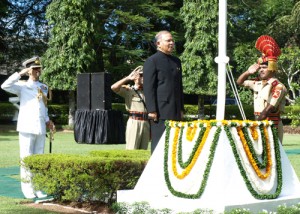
201, 115
71, 108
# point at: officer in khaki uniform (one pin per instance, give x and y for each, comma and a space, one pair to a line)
269, 92
138, 127
32, 119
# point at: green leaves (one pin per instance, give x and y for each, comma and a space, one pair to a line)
90, 36
199, 68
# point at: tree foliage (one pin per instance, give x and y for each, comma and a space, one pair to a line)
116, 35
289, 68
199, 69
248, 19
3, 14
71, 42
25, 31
101, 35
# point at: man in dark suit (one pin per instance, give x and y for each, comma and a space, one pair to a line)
163, 86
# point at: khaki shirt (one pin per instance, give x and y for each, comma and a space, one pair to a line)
267, 91
132, 101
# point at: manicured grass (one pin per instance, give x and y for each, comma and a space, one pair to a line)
63, 143
13, 206
291, 144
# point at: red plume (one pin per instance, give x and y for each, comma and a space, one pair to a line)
268, 46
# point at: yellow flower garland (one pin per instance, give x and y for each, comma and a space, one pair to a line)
254, 131
191, 131
250, 156
188, 169
190, 134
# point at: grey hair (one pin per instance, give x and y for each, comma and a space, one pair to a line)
159, 34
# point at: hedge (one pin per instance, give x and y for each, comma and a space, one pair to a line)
59, 113
94, 177
7, 111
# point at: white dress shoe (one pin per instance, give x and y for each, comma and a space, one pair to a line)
40, 194
30, 196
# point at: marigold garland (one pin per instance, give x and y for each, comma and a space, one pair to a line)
250, 144
251, 159
251, 189
188, 169
183, 164
191, 131
254, 132
248, 149
207, 167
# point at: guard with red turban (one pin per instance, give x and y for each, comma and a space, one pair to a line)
269, 92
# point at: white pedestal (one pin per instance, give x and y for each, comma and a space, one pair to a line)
225, 189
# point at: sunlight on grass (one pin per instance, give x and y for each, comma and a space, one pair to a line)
63, 143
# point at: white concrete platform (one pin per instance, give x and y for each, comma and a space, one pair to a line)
225, 189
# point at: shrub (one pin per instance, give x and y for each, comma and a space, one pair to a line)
58, 113
293, 113
119, 107
7, 111
231, 111
95, 177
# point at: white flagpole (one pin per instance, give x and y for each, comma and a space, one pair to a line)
222, 59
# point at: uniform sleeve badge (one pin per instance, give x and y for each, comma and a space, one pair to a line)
276, 94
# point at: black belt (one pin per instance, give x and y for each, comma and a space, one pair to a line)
143, 116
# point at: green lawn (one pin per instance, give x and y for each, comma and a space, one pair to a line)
63, 143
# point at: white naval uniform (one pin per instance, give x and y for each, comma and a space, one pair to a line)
31, 125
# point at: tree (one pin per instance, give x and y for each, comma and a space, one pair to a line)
200, 49
24, 31
248, 19
289, 66
289, 40
3, 14
290, 22
99, 35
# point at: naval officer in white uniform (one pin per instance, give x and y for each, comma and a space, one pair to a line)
33, 117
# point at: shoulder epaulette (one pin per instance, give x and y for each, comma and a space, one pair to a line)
274, 83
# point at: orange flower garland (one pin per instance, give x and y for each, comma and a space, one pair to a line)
253, 131
250, 156
246, 157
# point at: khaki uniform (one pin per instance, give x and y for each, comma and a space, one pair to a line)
269, 91
138, 127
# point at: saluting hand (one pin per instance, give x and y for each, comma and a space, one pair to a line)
133, 75
24, 71
253, 68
